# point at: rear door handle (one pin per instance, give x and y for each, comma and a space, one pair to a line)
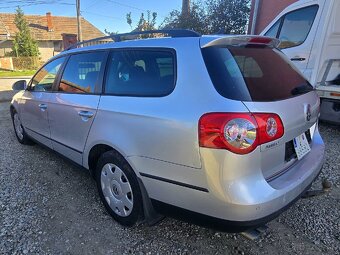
298, 59
85, 115
43, 107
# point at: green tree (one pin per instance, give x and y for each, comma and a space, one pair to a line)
229, 17
196, 20
23, 45
144, 24
212, 16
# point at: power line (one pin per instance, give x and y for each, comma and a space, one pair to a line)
90, 5
15, 3
126, 5
133, 7
101, 15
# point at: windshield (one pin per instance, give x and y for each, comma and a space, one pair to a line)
253, 73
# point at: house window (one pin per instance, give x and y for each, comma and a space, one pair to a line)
57, 46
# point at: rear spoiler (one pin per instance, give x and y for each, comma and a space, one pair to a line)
243, 40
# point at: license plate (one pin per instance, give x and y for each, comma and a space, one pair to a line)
301, 146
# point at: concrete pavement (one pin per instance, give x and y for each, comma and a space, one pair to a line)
6, 92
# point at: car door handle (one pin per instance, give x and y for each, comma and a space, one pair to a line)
85, 114
43, 107
298, 59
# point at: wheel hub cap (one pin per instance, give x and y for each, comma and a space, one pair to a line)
17, 126
116, 189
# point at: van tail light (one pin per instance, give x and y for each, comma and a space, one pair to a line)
240, 133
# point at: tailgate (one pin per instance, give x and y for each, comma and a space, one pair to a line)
299, 115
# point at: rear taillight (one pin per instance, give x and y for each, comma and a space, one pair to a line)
240, 133
270, 127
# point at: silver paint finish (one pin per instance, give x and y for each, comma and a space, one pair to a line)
71, 117
292, 114
159, 136
34, 115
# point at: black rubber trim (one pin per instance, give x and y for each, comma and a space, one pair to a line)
217, 223
54, 141
174, 182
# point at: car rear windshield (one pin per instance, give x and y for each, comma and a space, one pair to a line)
253, 73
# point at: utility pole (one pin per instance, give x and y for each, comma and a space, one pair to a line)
255, 14
185, 7
80, 37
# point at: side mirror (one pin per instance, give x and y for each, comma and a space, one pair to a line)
20, 85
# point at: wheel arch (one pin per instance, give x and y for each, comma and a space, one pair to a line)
91, 156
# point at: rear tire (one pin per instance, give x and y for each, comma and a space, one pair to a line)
118, 188
19, 129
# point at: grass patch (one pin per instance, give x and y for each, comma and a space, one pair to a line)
16, 73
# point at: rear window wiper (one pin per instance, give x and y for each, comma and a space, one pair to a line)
302, 89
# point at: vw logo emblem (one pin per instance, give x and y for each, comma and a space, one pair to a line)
308, 112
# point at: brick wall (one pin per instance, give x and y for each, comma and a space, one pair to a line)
268, 10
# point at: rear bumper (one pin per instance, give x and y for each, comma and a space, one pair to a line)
217, 223
248, 197
231, 192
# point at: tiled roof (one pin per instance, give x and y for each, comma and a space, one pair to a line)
39, 31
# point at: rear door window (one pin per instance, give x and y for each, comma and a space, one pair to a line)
141, 73
253, 74
81, 72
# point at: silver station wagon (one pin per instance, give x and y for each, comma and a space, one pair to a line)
222, 128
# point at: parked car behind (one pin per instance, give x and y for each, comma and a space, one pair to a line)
222, 127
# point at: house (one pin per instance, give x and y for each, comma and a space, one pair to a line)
263, 12
53, 33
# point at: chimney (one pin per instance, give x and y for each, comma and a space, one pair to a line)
49, 22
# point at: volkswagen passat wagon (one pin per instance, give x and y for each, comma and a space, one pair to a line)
223, 127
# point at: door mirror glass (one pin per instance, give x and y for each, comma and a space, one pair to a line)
20, 85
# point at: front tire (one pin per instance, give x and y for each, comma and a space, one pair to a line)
19, 129
118, 188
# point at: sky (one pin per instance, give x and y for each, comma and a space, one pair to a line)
104, 14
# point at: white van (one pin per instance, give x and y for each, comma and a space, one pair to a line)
309, 31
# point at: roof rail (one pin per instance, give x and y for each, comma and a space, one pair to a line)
118, 37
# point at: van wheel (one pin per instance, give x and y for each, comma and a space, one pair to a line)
118, 188
19, 129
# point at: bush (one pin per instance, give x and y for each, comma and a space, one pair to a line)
25, 63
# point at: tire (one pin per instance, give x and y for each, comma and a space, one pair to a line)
118, 188
19, 129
